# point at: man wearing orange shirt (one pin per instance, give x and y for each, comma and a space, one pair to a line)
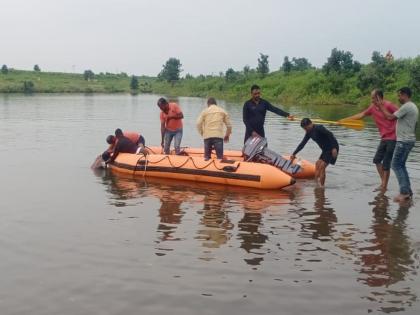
170, 125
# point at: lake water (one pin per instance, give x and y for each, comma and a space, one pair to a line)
78, 242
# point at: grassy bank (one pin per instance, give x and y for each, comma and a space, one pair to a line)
311, 86
18, 81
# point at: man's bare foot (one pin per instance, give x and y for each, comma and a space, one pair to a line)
402, 197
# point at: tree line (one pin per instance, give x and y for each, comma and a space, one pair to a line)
337, 72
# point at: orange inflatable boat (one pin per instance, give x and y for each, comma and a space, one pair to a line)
307, 169
195, 168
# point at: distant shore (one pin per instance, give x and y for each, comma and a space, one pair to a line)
310, 87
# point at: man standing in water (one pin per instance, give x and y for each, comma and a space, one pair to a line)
170, 125
406, 117
254, 112
385, 150
326, 141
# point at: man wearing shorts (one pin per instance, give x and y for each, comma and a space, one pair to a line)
385, 151
326, 141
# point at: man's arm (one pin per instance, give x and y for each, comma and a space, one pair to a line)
199, 124
277, 110
358, 116
301, 145
245, 118
115, 153
387, 114
226, 120
162, 132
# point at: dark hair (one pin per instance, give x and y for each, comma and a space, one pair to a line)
110, 139
305, 122
162, 101
106, 156
211, 101
255, 87
118, 132
405, 90
379, 93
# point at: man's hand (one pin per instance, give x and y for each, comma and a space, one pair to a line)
291, 117
334, 153
226, 139
254, 134
292, 157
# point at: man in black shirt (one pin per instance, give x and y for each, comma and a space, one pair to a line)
254, 112
124, 145
325, 140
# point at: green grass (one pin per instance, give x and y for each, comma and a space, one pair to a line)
55, 82
309, 87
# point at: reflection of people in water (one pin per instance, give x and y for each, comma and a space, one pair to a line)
252, 239
170, 213
215, 223
321, 220
121, 188
323, 225
387, 259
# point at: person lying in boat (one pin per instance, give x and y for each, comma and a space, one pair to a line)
210, 125
123, 145
326, 141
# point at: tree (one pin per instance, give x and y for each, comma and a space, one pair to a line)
287, 66
301, 64
134, 83
171, 70
4, 69
378, 74
88, 75
37, 68
263, 67
415, 75
231, 75
341, 61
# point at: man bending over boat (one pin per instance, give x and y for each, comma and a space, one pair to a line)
170, 125
210, 126
123, 145
326, 141
133, 136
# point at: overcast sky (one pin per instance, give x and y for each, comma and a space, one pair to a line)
138, 36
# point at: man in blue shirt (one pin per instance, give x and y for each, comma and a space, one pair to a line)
254, 112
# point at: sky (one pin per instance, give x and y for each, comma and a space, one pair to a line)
138, 36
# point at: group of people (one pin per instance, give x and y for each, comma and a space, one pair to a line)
396, 127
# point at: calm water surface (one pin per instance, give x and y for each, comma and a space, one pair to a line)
78, 242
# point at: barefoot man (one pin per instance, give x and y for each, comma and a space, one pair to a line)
386, 128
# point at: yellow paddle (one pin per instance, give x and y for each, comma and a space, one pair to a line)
349, 123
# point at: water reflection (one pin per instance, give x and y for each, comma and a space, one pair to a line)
388, 258
215, 224
215, 227
318, 223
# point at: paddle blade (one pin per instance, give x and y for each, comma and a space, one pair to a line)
352, 123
